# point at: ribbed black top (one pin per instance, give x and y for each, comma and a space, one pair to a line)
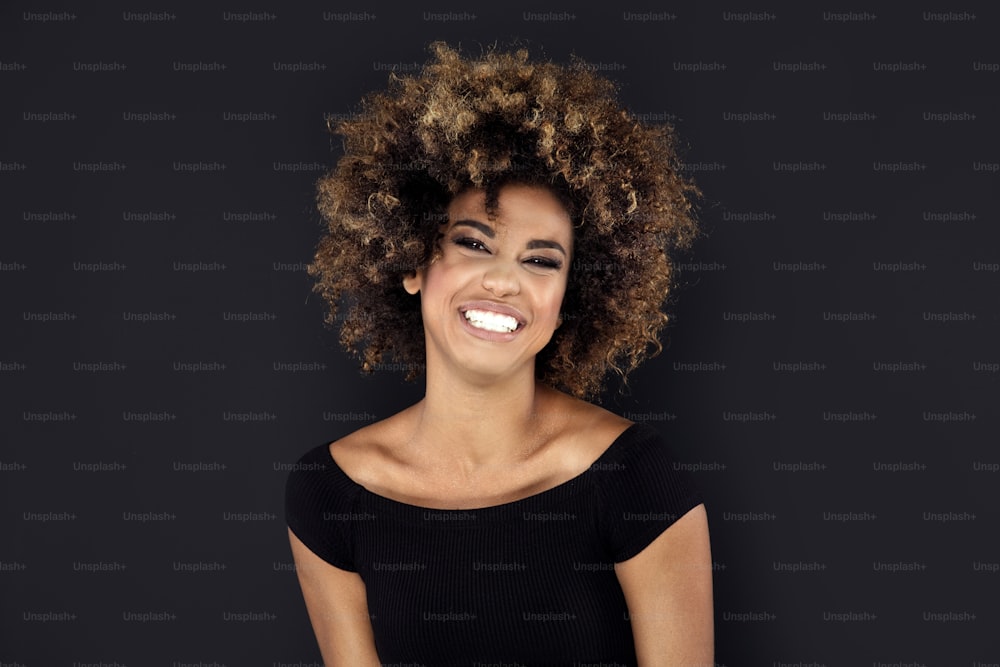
528, 583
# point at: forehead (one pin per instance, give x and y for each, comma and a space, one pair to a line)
520, 208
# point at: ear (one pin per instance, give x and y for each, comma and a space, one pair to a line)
412, 282
559, 321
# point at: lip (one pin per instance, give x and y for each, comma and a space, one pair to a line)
492, 336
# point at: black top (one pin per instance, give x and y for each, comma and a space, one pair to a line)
528, 583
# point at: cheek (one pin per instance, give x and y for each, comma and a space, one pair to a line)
554, 300
437, 274
441, 282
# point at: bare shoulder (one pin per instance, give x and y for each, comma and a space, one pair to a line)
365, 454
586, 430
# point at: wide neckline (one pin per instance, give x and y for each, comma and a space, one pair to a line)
555, 493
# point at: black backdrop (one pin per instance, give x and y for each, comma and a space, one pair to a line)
831, 376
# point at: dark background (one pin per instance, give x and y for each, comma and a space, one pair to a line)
831, 375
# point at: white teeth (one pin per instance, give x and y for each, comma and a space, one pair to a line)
485, 319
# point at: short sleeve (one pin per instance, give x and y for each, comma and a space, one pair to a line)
319, 507
641, 491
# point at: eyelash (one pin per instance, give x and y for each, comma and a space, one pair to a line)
470, 243
474, 244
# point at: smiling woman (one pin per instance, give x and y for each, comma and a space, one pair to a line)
482, 123
506, 227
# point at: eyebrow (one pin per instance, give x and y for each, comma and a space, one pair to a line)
475, 224
490, 233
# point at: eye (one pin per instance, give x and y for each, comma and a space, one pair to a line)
544, 262
470, 243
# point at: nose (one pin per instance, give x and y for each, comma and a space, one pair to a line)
501, 279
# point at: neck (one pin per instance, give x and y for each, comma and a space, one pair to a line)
474, 425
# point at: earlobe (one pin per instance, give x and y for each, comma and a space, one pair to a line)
412, 282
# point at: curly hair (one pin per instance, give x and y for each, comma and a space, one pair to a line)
483, 123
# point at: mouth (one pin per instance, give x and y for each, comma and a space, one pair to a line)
492, 318
490, 321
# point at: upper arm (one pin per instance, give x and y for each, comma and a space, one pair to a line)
338, 609
668, 589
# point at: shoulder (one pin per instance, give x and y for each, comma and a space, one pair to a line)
585, 431
641, 490
642, 460
370, 453
325, 486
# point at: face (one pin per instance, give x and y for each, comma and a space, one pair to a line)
491, 300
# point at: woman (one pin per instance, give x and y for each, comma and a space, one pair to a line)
504, 227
